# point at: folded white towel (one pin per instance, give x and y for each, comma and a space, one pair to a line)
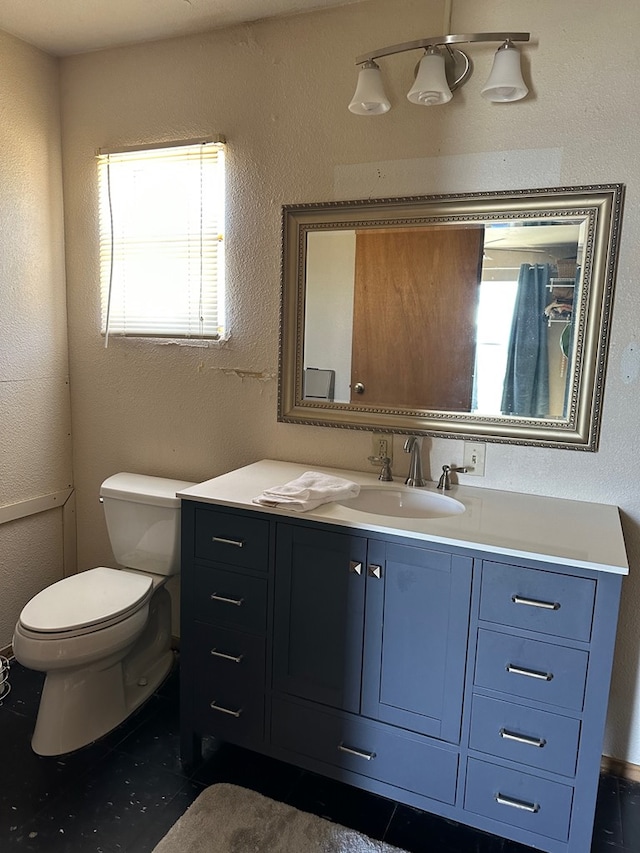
308, 491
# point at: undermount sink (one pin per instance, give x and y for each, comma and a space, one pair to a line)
403, 502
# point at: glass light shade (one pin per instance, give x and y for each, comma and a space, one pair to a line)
369, 98
430, 87
505, 82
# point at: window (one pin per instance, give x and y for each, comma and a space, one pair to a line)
162, 241
495, 315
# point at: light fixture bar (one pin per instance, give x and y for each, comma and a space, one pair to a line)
432, 41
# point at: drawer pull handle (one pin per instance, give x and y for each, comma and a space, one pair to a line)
237, 602
530, 673
225, 656
357, 752
530, 741
215, 707
239, 543
355, 567
375, 571
533, 602
517, 804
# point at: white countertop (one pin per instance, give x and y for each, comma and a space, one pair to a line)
554, 530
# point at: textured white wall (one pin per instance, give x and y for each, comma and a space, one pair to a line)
329, 301
278, 90
35, 443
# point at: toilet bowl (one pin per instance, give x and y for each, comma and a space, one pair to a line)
103, 637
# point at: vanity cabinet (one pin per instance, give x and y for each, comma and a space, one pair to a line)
446, 677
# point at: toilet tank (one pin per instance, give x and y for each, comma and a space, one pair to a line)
143, 521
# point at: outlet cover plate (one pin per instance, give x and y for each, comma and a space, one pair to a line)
474, 457
382, 445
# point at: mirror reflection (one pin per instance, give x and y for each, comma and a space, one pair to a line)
483, 316
475, 318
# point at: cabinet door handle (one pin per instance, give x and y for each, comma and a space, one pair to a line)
237, 602
215, 707
355, 567
530, 673
530, 741
375, 571
225, 656
517, 804
239, 543
368, 756
534, 602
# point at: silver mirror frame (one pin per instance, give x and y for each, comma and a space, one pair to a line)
601, 204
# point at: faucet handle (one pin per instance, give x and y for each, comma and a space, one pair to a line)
385, 472
444, 482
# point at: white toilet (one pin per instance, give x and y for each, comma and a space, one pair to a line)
103, 636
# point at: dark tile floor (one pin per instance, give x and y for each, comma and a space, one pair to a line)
123, 793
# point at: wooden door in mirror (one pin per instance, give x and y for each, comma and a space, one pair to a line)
413, 334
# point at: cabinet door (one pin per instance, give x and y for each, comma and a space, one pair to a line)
319, 613
417, 621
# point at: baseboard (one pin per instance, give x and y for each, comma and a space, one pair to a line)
618, 767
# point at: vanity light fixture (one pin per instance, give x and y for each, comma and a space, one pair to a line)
441, 71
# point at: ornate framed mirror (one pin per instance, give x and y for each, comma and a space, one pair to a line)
481, 316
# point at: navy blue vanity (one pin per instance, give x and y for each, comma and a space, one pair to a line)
441, 672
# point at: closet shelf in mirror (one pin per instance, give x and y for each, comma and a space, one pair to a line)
561, 282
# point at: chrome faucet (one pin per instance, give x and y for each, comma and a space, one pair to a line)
415, 477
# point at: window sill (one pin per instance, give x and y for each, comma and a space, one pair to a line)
202, 343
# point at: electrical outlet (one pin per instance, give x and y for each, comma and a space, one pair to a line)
474, 457
382, 445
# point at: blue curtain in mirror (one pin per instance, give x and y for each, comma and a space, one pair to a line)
526, 383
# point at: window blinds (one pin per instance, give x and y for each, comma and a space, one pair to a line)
162, 241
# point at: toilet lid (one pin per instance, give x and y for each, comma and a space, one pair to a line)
88, 598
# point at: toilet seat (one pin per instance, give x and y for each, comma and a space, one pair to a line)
85, 603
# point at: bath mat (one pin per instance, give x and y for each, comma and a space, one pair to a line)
229, 819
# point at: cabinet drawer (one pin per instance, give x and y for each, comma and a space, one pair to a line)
222, 537
519, 733
531, 669
230, 714
229, 657
230, 599
385, 753
548, 602
519, 799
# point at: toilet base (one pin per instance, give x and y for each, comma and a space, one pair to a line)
82, 704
